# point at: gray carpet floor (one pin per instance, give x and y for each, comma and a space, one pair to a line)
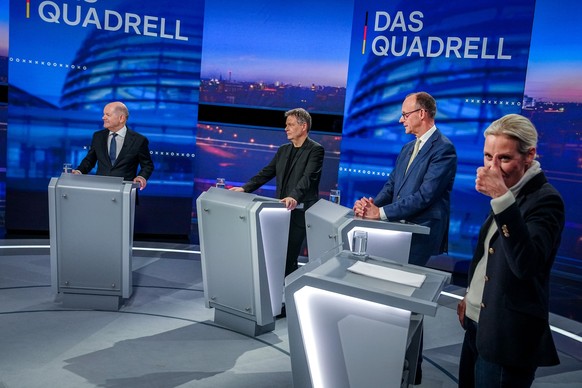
164, 336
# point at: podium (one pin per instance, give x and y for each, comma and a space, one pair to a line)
350, 329
91, 237
330, 226
243, 244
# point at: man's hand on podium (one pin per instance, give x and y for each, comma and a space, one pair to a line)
366, 208
141, 180
290, 203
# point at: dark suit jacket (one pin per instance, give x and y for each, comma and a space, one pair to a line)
513, 322
302, 181
422, 196
134, 153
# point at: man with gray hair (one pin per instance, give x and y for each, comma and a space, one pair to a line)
297, 169
505, 311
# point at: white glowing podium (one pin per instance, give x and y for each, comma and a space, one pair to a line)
331, 226
355, 323
243, 244
91, 237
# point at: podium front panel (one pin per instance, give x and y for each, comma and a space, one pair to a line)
225, 239
243, 244
90, 237
351, 342
347, 329
91, 223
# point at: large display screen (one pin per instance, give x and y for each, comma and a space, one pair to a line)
252, 60
553, 101
480, 60
472, 57
236, 153
67, 60
276, 54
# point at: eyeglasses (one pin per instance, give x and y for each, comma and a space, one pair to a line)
406, 114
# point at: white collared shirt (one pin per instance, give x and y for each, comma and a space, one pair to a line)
424, 138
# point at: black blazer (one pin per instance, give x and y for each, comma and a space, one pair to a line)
513, 323
302, 181
134, 153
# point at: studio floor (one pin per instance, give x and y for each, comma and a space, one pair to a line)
164, 336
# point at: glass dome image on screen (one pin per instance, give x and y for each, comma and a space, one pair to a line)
470, 94
374, 110
155, 74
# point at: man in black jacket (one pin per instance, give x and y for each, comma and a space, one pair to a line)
297, 169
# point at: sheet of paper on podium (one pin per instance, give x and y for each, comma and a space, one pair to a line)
388, 274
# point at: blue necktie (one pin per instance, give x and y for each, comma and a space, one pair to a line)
113, 149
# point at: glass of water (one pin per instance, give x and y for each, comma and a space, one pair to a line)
220, 183
67, 168
360, 242
335, 196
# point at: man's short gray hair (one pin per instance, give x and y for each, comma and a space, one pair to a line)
302, 116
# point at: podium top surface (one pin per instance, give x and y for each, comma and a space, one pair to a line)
389, 225
343, 216
235, 198
332, 273
92, 181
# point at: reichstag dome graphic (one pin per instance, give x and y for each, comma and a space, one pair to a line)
160, 74
462, 88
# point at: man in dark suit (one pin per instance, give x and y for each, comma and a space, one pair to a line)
117, 150
297, 169
418, 189
505, 312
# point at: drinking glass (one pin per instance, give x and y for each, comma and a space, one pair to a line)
335, 196
360, 242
